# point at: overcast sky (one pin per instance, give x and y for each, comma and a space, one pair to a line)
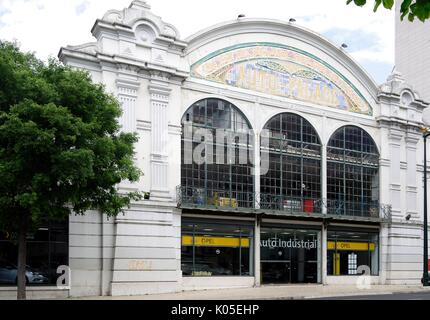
44, 26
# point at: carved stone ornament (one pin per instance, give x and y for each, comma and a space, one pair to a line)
159, 75
113, 16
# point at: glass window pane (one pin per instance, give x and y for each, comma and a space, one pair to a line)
293, 180
347, 251
47, 249
216, 249
352, 173
220, 172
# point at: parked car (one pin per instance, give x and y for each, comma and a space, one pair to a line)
9, 271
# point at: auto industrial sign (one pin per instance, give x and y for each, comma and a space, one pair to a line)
273, 243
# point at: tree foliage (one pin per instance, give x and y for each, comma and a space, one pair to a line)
411, 8
60, 146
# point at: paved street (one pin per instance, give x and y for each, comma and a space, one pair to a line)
394, 296
284, 292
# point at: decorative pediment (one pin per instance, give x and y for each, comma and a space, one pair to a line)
140, 11
284, 71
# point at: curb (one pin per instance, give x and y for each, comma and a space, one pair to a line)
365, 294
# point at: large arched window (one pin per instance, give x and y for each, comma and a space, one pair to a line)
352, 173
293, 178
217, 155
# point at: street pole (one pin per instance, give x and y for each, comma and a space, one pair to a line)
425, 279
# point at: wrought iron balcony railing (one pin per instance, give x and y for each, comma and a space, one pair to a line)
289, 204
201, 198
209, 198
353, 208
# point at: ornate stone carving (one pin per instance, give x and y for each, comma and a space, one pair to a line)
113, 16
406, 98
159, 75
90, 47
141, 5
169, 31
144, 33
123, 67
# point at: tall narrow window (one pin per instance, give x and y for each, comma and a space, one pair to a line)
293, 180
352, 173
217, 151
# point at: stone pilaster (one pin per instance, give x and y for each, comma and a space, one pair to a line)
127, 95
395, 142
159, 97
411, 142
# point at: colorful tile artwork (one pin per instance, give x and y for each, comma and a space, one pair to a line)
281, 71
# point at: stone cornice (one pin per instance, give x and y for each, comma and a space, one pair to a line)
398, 123
126, 83
159, 93
120, 61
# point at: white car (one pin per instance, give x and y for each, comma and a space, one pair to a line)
8, 274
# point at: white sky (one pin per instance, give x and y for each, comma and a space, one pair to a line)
44, 26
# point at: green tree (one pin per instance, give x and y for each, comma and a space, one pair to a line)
411, 8
61, 151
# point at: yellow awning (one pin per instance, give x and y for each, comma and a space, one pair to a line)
345, 245
200, 241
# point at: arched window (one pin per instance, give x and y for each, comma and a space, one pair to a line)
293, 177
217, 155
352, 173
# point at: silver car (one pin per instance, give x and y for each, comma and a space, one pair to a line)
9, 271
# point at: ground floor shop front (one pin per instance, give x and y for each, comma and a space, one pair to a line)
276, 251
132, 255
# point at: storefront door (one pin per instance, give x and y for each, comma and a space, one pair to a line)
276, 271
290, 255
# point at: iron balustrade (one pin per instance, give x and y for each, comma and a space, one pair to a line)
199, 198
289, 204
353, 208
210, 198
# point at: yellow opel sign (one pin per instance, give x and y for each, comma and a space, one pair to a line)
200, 241
357, 246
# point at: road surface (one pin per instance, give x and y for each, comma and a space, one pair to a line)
394, 296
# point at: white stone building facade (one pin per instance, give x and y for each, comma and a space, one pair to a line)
262, 69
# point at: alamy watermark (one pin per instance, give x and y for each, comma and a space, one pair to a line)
64, 280
223, 146
364, 280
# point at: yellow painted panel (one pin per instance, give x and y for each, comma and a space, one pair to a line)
336, 264
200, 241
344, 245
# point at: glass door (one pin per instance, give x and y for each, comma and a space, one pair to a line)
290, 255
276, 271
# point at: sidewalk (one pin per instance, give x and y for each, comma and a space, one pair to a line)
273, 292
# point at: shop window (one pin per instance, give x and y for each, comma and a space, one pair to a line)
348, 251
216, 249
47, 249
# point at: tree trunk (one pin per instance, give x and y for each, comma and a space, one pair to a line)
22, 257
